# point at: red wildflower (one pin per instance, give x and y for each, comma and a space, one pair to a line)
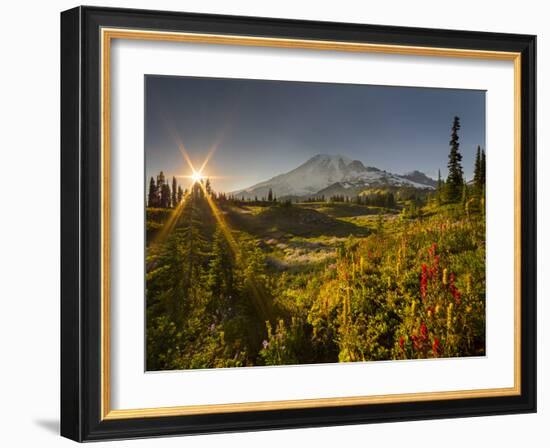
424, 331
456, 295
454, 290
402, 343
436, 346
424, 281
416, 343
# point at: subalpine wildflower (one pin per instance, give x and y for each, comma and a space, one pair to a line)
423, 331
454, 290
444, 278
450, 316
424, 281
416, 342
436, 346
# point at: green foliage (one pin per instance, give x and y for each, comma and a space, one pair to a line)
400, 288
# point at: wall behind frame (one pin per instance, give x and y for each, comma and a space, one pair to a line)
29, 219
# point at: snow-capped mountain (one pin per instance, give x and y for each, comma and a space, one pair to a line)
420, 177
324, 171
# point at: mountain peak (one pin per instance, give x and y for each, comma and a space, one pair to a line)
420, 177
330, 158
324, 170
356, 165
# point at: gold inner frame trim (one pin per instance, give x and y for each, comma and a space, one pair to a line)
107, 35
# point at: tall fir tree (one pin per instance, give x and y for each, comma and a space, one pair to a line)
270, 195
180, 194
174, 192
477, 171
185, 257
160, 186
194, 243
152, 197
220, 279
482, 167
165, 196
455, 179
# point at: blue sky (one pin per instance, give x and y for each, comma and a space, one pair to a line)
264, 128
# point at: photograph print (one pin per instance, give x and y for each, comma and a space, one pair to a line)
292, 223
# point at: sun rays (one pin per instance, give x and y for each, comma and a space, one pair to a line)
199, 179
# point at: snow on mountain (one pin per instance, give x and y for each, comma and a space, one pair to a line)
322, 171
420, 177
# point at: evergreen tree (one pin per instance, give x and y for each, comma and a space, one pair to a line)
152, 198
389, 200
477, 171
195, 244
165, 196
160, 185
180, 194
455, 179
189, 255
220, 281
270, 195
482, 167
208, 187
174, 192
482, 200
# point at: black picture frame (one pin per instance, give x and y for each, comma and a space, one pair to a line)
81, 227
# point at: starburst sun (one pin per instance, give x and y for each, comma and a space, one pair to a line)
197, 176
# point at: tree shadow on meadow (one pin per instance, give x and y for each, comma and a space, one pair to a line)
293, 220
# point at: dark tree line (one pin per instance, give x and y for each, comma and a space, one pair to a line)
382, 199
161, 195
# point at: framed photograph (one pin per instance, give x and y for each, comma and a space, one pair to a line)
277, 224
